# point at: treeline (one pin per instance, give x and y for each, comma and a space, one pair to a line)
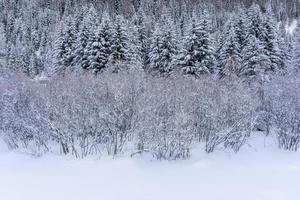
194, 37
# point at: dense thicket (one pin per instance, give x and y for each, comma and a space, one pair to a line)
143, 76
131, 112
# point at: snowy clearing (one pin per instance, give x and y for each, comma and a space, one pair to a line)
267, 174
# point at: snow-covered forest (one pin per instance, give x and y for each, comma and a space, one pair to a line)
148, 77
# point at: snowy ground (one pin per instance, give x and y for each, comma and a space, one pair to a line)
264, 174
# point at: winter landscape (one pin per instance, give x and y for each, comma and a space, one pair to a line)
150, 99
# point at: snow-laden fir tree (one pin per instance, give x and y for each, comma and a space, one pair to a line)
140, 38
230, 58
296, 47
255, 62
241, 30
271, 42
163, 47
197, 56
231, 45
255, 21
99, 45
120, 43
135, 46
80, 51
64, 46
169, 40
155, 49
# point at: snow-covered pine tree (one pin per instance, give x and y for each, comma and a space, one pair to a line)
255, 21
99, 45
79, 17
296, 47
271, 41
286, 50
197, 56
255, 62
230, 58
190, 57
155, 49
135, 49
141, 37
206, 44
163, 46
169, 47
80, 51
241, 28
64, 46
120, 43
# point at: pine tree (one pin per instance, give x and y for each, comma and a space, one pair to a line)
99, 46
140, 34
64, 46
241, 29
190, 57
163, 47
120, 43
255, 63
271, 42
135, 46
155, 50
206, 48
231, 45
80, 52
286, 48
296, 47
255, 21
230, 57
168, 45
197, 56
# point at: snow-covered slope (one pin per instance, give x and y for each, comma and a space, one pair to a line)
253, 174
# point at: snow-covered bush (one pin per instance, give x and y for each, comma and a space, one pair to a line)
284, 97
23, 116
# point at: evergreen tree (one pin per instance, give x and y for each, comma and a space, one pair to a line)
197, 56
271, 42
155, 50
64, 46
255, 63
230, 57
80, 51
168, 45
296, 47
99, 46
163, 46
120, 43
140, 35
241, 29
255, 21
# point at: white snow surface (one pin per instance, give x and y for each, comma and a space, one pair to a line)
261, 173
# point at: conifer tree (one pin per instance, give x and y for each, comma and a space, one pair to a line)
296, 47
255, 21
163, 48
80, 53
65, 45
140, 35
255, 63
155, 50
271, 42
99, 45
120, 43
230, 57
197, 56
